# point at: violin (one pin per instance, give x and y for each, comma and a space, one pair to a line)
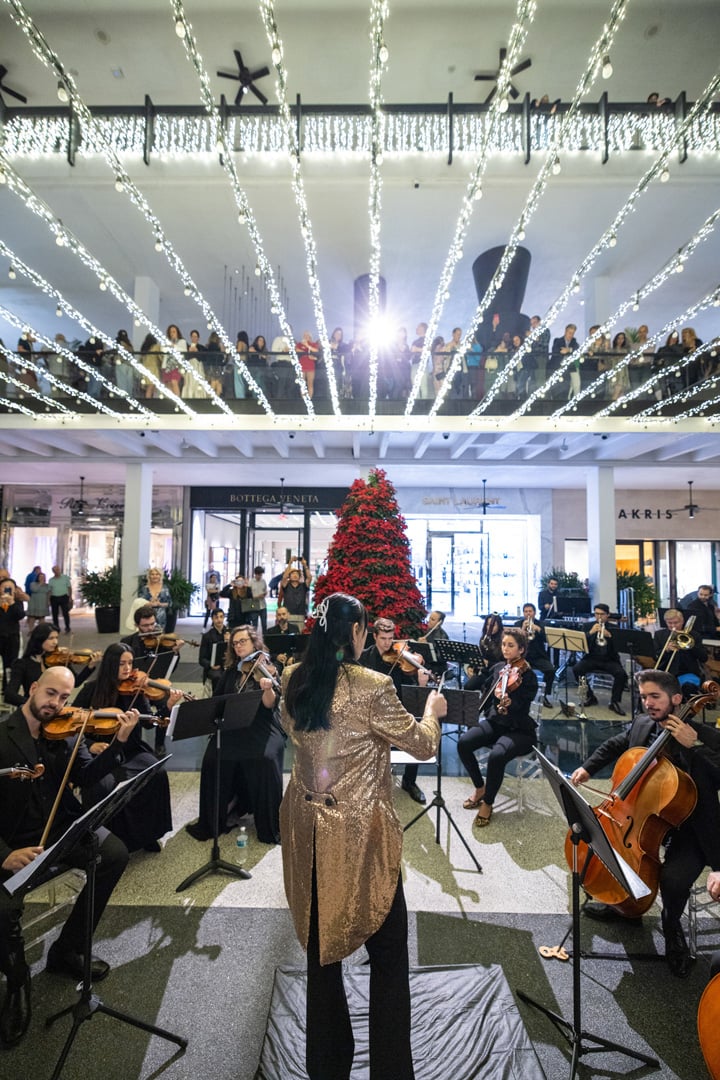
65, 656
153, 689
508, 681
23, 772
407, 661
154, 640
649, 797
254, 667
69, 722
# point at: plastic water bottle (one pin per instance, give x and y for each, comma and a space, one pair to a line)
242, 841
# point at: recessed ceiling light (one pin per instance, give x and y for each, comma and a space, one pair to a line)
117, 73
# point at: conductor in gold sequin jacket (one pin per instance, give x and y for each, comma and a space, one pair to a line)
342, 840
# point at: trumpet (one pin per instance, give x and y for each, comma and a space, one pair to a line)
529, 628
677, 640
601, 635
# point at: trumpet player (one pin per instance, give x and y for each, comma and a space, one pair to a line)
537, 653
684, 652
603, 656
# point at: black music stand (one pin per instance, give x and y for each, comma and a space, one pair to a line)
83, 832
634, 643
584, 826
205, 717
460, 653
157, 665
414, 698
558, 637
286, 643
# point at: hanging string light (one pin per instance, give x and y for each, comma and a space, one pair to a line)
602, 244
600, 48
378, 59
92, 331
267, 12
245, 214
37, 370
524, 16
709, 348
96, 131
29, 365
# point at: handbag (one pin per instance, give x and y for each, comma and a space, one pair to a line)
249, 604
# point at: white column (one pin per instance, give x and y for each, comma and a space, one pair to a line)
147, 297
597, 300
600, 514
136, 532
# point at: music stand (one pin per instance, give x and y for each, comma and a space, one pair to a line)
558, 637
286, 643
460, 653
585, 827
157, 665
414, 698
83, 832
635, 643
190, 719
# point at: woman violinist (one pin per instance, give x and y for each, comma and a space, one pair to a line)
508, 728
147, 816
41, 646
252, 758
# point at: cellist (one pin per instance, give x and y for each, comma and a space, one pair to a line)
695, 748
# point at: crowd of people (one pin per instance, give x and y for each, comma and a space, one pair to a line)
340, 703
208, 365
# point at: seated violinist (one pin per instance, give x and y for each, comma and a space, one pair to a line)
251, 757
693, 845
24, 815
148, 641
147, 816
508, 728
380, 657
42, 652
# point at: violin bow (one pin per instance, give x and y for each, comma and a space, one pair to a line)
66, 777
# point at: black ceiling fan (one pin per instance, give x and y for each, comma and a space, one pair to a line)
246, 78
493, 76
7, 90
692, 507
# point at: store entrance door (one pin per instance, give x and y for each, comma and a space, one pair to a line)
458, 573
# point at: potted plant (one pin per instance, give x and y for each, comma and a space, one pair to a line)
102, 590
181, 591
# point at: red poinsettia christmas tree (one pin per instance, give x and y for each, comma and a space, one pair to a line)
369, 556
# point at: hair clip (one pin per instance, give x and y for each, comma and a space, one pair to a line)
321, 613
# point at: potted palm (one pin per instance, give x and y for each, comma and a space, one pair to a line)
101, 590
181, 591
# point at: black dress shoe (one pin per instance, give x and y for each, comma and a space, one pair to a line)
152, 845
605, 912
414, 792
547, 703
15, 1014
592, 700
198, 831
617, 708
677, 953
72, 965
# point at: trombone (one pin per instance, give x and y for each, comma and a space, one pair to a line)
681, 639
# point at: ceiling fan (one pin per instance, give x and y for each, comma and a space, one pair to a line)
493, 76
691, 506
246, 78
7, 90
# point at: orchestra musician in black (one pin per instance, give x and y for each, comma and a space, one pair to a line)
537, 653
603, 656
547, 599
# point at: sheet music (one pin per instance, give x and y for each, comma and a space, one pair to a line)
213, 655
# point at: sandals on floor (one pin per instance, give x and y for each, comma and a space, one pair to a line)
482, 821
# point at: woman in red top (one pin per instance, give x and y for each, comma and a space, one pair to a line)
307, 351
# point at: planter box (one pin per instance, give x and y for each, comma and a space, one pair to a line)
108, 620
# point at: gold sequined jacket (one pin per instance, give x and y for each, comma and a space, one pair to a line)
340, 798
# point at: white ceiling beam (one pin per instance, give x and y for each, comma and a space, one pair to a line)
504, 446
421, 446
384, 444
8, 449
688, 445
165, 441
116, 443
204, 443
242, 444
462, 445
576, 444
280, 442
318, 444
628, 446
356, 444
711, 450
35, 443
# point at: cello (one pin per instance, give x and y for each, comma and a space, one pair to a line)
649, 797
